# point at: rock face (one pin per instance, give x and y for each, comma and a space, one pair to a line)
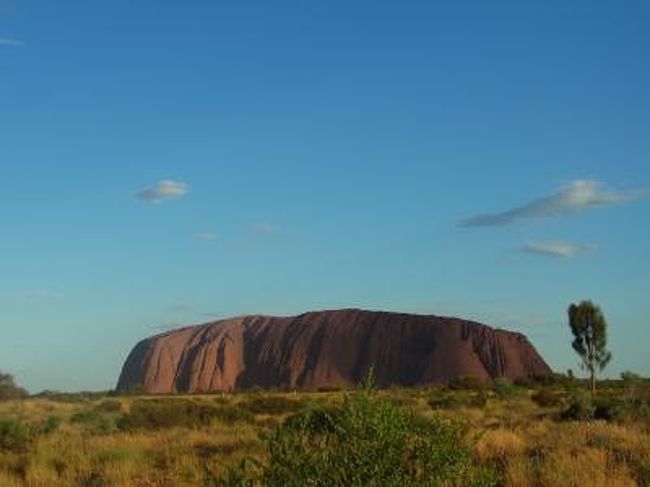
324, 350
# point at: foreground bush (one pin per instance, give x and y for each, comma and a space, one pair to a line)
581, 407
546, 398
14, 436
364, 442
18, 437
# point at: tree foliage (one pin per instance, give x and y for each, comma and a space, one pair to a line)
589, 329
9, 389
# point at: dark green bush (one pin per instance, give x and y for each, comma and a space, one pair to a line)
478, 400
9, 389
152, 414
641, 470
544, 380
48, 426
366, 441
610, 410
109, 406
620, 407
447, 401
455, 400
272, 405
232, 414
94, 422
504, 388
160, 413
629, 376
14, 436
467, 383
404, 402
71, 397
581, 407
546, 398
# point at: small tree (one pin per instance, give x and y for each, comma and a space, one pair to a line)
589, 330
9, 389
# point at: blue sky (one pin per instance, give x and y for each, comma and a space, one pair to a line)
165, 164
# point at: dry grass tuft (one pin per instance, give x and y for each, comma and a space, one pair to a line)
500, 444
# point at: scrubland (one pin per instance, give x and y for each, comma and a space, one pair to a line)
548, 433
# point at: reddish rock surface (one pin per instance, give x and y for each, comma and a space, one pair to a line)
327, 349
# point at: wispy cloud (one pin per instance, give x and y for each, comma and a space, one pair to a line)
181, 308
44, 294
554, 248
578, 196
263, 228
494, 313
167, 325
207, 237
6, 41
214, 315
162, 191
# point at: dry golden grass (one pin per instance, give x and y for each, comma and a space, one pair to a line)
499, 445
527, 444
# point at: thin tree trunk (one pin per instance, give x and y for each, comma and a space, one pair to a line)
593, 383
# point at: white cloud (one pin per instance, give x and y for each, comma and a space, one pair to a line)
45, 294
181, 308
263, 228
207, 237
578, 196
164, 190
5, 41
554, 248
213, 315
168, 325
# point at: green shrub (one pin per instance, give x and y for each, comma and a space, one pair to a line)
94, 422
153, 414
71, 397
629, 376
109, 406
49, 425
546, 398
544, 380
610, 410
641, 470
404, 402
455, 400
156, 414
620, 407
232, 414
504, 388
272, 405
581, 407
14, 436
366, 441
9, 389
447, 401
478, 400
467, 383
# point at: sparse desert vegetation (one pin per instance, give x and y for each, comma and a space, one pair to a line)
544, 433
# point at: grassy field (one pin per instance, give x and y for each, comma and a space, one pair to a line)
516, 435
